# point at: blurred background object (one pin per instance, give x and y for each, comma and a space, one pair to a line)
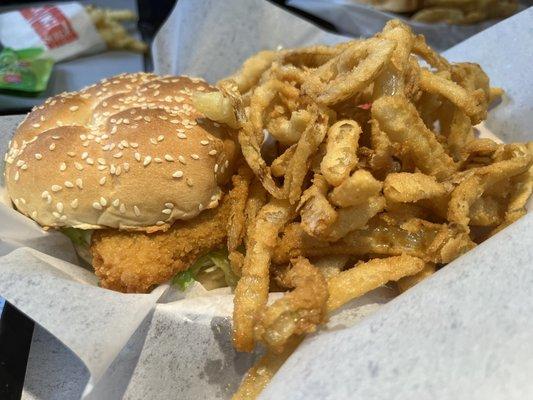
118, 30
444, 23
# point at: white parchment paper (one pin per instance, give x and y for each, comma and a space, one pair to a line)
162, 345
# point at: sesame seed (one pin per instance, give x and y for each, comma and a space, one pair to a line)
182, 135
83, 137
177, 174
102, 180
103, 201
158, 160
122, 208
74, 203
85, 144
38, 156
153, 141
59, 207
159, 223
118, 171
24, 167
34, 214
36, 125
147, 160
114, 129
56, 188
74, 108
169, 205
167, 211
137, 156
49, 200
97, 206
20, 163
200, 207
204, 142
56, 214
62, 166
101, 161
45, 194
84, 155
78, 166
190, 182
124, 143
181, 159
63, 218
69, 184
90, 136
160, 138
216, 168
113, 169
89, 161
52, 147
226, 164
79, 183
195, 156
115, 202
134, 145
117, 155
212, 152
136, 211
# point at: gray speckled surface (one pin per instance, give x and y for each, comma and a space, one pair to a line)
465, 333
51, 362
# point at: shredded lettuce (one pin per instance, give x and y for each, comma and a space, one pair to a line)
217, 259
80, 237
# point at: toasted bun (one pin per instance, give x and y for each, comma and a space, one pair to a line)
130, 152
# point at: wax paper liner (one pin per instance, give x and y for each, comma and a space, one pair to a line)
185, 343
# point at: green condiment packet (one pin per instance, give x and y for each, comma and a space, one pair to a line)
23, 70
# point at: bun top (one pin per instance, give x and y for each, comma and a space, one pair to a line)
130, 152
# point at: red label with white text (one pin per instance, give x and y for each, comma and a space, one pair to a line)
51, 25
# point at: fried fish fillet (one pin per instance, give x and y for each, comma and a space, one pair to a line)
134, 262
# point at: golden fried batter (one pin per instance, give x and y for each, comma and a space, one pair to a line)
134, 262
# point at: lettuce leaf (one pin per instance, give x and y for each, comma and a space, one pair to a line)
216, 258
80, 237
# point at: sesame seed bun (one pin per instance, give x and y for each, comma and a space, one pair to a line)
130, 152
